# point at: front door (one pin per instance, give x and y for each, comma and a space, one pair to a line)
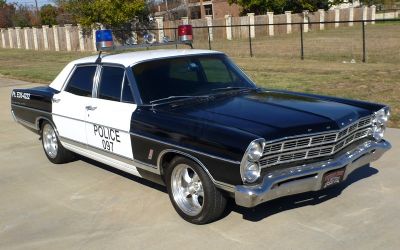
109, 115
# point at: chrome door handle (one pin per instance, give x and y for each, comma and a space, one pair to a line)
55, 100
91, 108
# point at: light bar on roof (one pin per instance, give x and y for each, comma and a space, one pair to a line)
105, 41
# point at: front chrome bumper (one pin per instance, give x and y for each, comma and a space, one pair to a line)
307, 177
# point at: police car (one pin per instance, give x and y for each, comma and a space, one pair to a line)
192, 120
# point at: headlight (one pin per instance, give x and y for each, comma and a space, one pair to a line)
251, 172
379, 123
255, 151
378, 131
382, 116
249, 168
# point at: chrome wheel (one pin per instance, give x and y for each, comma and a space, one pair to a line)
187, 189
50, 143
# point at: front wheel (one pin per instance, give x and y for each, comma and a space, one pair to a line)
192, 192
52, 147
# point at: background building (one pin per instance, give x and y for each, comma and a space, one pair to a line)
194, 9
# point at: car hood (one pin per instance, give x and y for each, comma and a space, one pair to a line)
274, 114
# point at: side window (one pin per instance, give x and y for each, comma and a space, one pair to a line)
127, 95
215, 70
111, 83
81, 82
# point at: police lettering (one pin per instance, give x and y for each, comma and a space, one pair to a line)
108, 136
106, 133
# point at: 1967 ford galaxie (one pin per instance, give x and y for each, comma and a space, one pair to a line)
192, 120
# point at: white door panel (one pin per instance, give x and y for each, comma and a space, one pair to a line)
108, 125
69, 115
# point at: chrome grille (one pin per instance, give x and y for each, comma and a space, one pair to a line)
314, 146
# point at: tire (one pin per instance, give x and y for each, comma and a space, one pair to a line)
192, 192
52, 147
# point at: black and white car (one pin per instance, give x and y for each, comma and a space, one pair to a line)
192, 120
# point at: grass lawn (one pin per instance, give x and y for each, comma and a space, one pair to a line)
371, 82
34, 66
325, 71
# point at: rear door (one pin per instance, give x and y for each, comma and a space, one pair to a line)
69, 106
109, 115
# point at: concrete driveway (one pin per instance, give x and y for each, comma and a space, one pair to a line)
86, 205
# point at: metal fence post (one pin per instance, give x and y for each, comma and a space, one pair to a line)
363, 40
301, 42
175, 38
209, 38
250, 47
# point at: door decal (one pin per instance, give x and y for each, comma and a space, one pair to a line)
108, 136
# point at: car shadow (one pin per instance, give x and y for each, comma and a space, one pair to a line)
269, 208
266, 209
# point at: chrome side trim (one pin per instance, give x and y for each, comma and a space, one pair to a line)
23, 122
29, 108
103, 159
13, 115
75, 119
147, 166
115, 157
218, 184
26, 123
35, 125
307, 177
225, 186
188, 149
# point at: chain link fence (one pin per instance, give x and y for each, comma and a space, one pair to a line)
345, 41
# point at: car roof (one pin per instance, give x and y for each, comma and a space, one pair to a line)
131, 58
126, 59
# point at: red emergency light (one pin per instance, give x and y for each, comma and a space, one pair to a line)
185, 33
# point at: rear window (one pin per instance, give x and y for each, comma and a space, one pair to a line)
81, 81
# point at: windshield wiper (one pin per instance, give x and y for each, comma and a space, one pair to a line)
234, 88
177, 98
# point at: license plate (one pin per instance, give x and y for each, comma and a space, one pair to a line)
333, 177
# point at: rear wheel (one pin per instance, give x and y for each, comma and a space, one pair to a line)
52, 147
192, 192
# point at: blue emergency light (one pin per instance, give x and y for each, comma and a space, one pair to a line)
104, 40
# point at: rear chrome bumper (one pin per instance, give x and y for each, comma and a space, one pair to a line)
307, 177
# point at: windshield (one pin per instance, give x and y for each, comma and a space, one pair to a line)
187, 76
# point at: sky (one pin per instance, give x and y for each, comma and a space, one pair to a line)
31, 2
